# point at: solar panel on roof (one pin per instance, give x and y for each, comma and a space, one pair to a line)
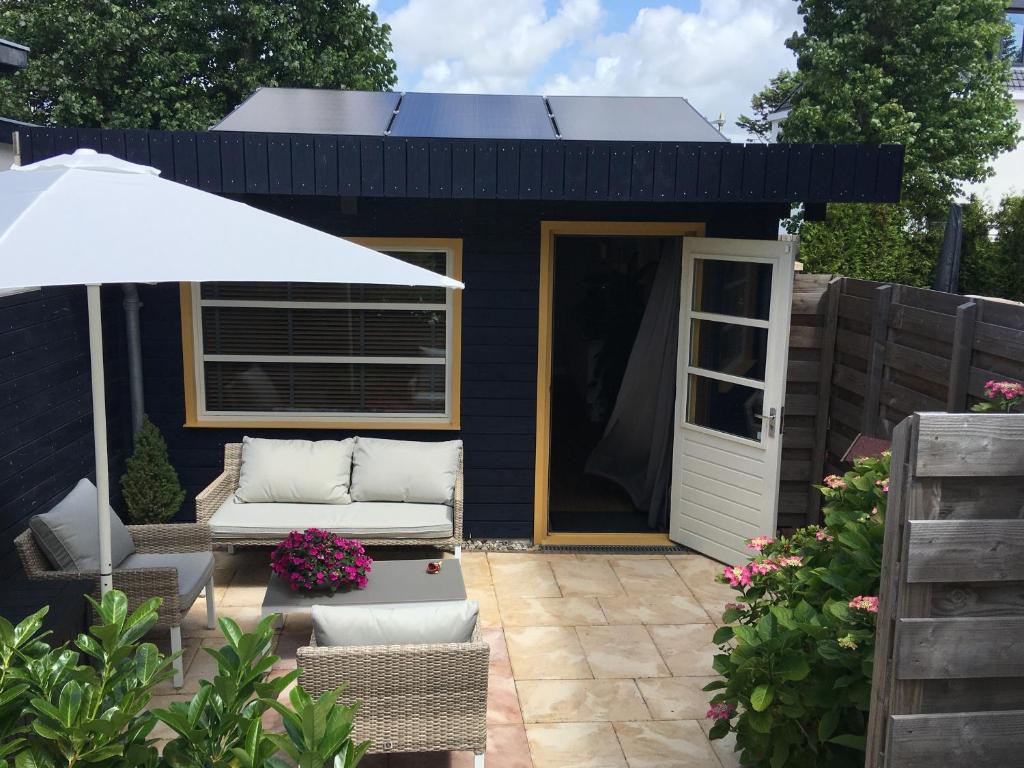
472, 116
310, 110
630, 118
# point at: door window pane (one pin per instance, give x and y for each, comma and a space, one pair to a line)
724, 407
740, 288
739, 350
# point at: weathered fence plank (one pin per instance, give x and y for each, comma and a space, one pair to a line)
961, 445
932, 649
975, 739
965, 550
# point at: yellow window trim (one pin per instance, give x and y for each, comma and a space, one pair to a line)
453, 422
549, 230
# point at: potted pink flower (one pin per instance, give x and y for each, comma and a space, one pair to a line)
314, 559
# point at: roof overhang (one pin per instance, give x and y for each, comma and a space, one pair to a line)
388, 166
12, 56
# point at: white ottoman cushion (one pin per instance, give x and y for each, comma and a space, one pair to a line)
450, 621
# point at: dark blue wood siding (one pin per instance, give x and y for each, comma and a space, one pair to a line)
501, 246
46, 443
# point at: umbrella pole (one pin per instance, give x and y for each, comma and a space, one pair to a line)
99, 431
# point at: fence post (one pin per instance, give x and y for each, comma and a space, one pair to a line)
821, 413
960, 359
876, 359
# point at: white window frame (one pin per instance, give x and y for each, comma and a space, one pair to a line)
200, 415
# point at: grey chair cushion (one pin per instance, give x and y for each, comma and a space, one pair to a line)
69, 536
360, 519
404, 470
450, 621
194, 570
301, 471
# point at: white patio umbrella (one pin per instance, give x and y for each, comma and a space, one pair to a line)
88, 219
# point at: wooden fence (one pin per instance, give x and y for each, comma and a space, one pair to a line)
865, 355
948, 685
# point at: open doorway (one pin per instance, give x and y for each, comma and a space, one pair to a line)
614, 321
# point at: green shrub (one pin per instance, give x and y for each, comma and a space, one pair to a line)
150, 486
86, 705
797, 649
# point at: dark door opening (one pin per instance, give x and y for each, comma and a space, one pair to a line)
614, 322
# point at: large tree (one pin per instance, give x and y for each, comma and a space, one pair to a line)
928, 74
182, 64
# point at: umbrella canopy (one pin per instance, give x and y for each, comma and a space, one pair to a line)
88, 218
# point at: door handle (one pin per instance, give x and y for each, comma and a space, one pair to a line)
772, 416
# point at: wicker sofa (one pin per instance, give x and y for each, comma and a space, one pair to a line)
243, 524
415, 698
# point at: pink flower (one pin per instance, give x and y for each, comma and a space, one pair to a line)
721, 711
835, 482
737, 576
758, 543
790, 560
821, 535
734, 606
865, 603
763, 567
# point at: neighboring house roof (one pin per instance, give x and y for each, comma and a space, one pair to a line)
470, 116
1017, 79
12, 56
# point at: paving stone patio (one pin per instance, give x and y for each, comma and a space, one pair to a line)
596, 661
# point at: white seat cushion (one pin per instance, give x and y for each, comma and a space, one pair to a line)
451, 621
69, 536
300, 471
360, 519
404, 470
194, 570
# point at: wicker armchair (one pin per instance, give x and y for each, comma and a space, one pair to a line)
415, 698
139, 584
226, 483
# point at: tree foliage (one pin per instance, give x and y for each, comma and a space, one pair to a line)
926, 74
777, 94
182, 64
992, 262
871, 241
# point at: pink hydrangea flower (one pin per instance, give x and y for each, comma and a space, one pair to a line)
721, 711
763, 567
737, 576
790, 560
865, 603
758, 543
883, 484
835, 482
821, 535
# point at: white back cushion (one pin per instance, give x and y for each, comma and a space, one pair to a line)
450, 621
404, 470
69, 536
300, 471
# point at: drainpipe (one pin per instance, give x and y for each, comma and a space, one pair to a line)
131, 323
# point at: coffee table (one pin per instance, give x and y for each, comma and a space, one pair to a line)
390, 582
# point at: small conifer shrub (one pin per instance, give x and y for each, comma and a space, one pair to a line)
151, 489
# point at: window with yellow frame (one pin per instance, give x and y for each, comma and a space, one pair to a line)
327, 355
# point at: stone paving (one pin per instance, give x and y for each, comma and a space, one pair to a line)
596, 661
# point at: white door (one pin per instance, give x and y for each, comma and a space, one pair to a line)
730, 390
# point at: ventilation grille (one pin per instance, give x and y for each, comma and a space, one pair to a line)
599, 549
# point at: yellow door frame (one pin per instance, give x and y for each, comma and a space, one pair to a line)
549, 230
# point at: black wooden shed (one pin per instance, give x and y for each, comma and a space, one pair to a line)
541, 354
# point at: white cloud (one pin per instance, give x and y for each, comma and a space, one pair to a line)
717, 57
484, 47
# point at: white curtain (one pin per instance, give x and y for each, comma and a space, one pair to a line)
636, 449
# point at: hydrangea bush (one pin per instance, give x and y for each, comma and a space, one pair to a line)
797, 647
314, 559
1003, 397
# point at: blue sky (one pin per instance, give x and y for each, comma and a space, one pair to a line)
716, 53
